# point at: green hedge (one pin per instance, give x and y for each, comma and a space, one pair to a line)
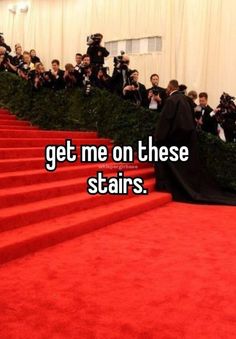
109, 115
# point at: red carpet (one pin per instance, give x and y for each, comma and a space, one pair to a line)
166, 274
39, 208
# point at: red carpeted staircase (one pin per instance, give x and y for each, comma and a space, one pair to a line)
40, 208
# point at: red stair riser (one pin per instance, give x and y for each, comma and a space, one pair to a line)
14, 122
47, 134
33, 152
7, 117
50, 192
43, 142
20, 249
70, 172
30, 217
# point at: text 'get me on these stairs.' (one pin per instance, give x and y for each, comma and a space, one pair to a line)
39, 208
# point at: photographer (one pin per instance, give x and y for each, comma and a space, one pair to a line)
102, 80
135, 91
34, 58
121, 73
26, 61
81, 69
3, 44
226, 117
69, 76
18, 58
5, 61
78, 60
88, 80
56, 76
205, 115
3, 66
24, 71
38, 77
96, 52
156, 94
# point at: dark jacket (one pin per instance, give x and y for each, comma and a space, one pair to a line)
209, 123
162, 95
138, 97
57, 82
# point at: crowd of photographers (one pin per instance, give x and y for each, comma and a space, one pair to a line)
89, 72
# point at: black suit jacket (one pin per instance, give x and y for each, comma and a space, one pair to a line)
209, 123
57, 82
139, 96
162, 94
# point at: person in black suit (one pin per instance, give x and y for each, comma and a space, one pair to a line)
96, 52
3, 44
135, 91
102, 79
56, 76
186, 180
191, 98
34, 58
18, 58
120, 75
156, 94
206, 119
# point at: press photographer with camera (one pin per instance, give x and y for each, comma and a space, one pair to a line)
102, 79
6, 61
205, 115
226, 116
34, 58
121, 73
70, 76
3, 44
18, 58
38, 77
56, 76
81, 69
3, 66
156, 94
96, 52
78, 61
135, 91
88, 80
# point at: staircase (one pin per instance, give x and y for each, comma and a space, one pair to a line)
39, 208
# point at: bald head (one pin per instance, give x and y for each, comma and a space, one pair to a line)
172, 86
126, 58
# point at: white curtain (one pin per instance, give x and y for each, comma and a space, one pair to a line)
198, 36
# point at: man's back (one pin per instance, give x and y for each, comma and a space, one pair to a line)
176, 121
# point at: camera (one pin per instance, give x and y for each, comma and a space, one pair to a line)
24, 68
87, 87
134, 83
120, 62
94, 39
155, 90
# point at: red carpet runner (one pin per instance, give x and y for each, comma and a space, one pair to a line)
40, 209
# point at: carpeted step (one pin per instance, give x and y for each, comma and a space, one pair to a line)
28, 152
19, 128
26, 194
5, 111
42, 142
47, 134
16, 179
14, 122
19, 242
7, 117
25, 164
26, 214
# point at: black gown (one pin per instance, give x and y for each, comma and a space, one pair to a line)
187, 181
